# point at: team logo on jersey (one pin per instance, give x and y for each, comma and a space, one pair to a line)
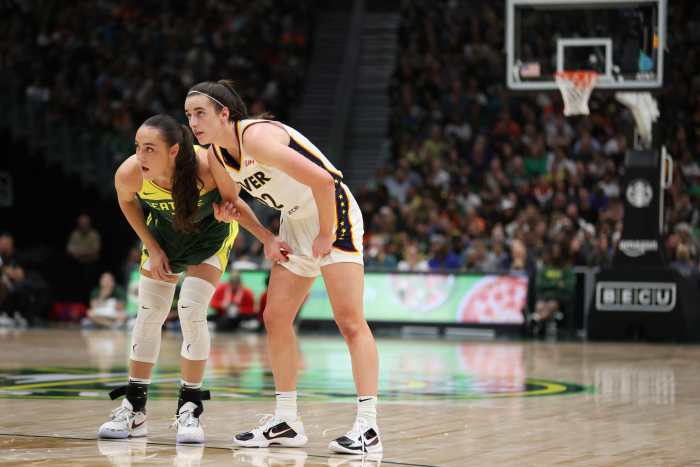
256, 384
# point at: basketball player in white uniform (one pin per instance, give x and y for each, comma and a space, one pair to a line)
321, 224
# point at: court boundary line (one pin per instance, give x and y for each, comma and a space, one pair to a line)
232, 448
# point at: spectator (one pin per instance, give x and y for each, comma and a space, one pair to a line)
7, 249
496, 254
683, 262
559, 132
378, 255
519, 261
107, 304
443, 258
398, 185
234, 304
554, 288
131, 263
84, 242
476, 256
412, 260
601, 255
83, 250
14, 296
24, 294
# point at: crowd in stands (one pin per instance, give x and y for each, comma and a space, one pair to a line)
104, 67
109, 65
481, 179
486, 179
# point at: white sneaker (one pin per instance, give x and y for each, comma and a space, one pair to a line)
124, 423
273, 431
362, 439
189, 430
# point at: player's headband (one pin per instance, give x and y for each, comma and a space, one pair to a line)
205, 94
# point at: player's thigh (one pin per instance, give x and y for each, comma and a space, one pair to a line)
345, 284
285, 294
205, 272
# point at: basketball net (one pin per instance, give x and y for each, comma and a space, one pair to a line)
576, 88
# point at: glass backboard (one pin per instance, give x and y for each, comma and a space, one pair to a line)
622, 40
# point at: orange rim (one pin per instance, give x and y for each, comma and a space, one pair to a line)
579, 78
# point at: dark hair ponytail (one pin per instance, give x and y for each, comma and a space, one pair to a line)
222, 94
185, 189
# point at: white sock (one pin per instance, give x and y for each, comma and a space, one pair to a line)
286, 406
367, 409
189, 385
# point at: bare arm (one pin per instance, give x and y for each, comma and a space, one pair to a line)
246, 217
251, 223
127, 183
269, 145
228, 189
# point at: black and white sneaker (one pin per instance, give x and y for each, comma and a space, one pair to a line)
362, 439
273, 431
124, 423
189, 429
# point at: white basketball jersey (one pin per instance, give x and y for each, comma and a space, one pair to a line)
270, 185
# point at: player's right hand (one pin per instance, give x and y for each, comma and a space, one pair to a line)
226, 211
159, 264
277, 250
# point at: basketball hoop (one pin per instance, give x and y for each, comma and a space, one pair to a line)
576, 88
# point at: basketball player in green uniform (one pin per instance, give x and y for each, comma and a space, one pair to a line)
170, 176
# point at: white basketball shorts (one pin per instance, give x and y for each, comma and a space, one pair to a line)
301, 233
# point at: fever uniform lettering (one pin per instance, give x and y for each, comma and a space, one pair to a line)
270, 185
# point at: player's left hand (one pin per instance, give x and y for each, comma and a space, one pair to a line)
322, 245
226, 211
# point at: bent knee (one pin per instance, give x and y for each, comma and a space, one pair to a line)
351, 327
275, 320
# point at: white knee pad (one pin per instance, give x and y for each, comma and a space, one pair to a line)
155, 299
192, 306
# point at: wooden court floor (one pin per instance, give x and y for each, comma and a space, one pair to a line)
446, 403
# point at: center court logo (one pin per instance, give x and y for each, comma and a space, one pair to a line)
91, 384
